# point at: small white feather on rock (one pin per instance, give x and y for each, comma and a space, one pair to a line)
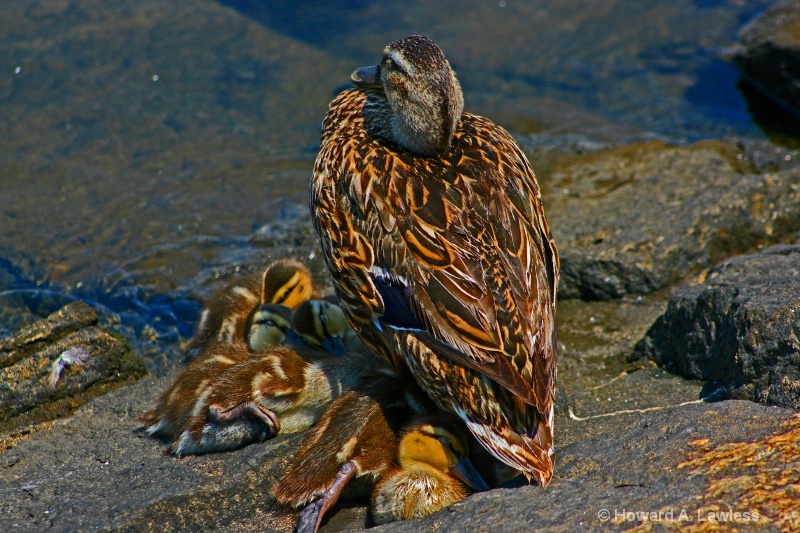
75, 355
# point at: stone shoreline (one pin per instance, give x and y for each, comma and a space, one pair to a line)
679, 283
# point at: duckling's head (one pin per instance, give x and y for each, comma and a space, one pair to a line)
436, 444
323, 323
269, 326
286, 282
423, 93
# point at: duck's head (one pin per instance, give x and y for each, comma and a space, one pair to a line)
323, 323
437, 445
270, 325
286, 282
423, 93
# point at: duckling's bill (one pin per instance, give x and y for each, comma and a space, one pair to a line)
465, 472
369, 77
335, 345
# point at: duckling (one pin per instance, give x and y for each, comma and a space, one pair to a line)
432, 227
432, 472
354, 443
176, 405
230, 396
228, 314
270, 325
274, 391
322, 323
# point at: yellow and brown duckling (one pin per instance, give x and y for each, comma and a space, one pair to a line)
229, 312
356, 443
270, 325
322, 323
183, 403
432, 227
432, 472
230, 396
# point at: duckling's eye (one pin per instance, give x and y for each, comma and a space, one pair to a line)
389, 63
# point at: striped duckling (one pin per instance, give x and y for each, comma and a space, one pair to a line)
230, 311
357, 442
230, 396
322, 323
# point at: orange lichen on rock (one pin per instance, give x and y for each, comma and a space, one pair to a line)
751, 484
761, 476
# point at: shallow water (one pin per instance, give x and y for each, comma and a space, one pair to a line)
144, 143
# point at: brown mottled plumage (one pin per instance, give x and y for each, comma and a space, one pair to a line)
432, 227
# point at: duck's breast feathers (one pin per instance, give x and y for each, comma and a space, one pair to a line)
463, 236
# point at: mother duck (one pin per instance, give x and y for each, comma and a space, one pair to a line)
432, 227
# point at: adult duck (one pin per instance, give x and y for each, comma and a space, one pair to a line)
432, 227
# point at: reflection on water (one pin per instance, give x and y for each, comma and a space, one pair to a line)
144, 143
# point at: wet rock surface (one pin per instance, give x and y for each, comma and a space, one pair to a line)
769, 54
738, 329
683, 463
95, 470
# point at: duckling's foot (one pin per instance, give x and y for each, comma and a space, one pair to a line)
311, 516
267, 417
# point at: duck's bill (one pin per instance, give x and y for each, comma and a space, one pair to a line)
335, 345
466, 473
369, 77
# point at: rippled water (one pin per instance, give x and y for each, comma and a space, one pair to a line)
144, 143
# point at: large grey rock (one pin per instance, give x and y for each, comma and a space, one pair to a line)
95, 471
769, 53
738, 329
638, 218
58, 363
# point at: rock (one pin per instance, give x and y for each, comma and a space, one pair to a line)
633, 220
738, 329
769, 53
58, 363
671, 457
125, 480
683, 463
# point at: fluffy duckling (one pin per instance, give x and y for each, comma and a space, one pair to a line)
354, 443
231, 396
432, 472
229, 312
176, 406
271, 325
431, 224
322, 323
